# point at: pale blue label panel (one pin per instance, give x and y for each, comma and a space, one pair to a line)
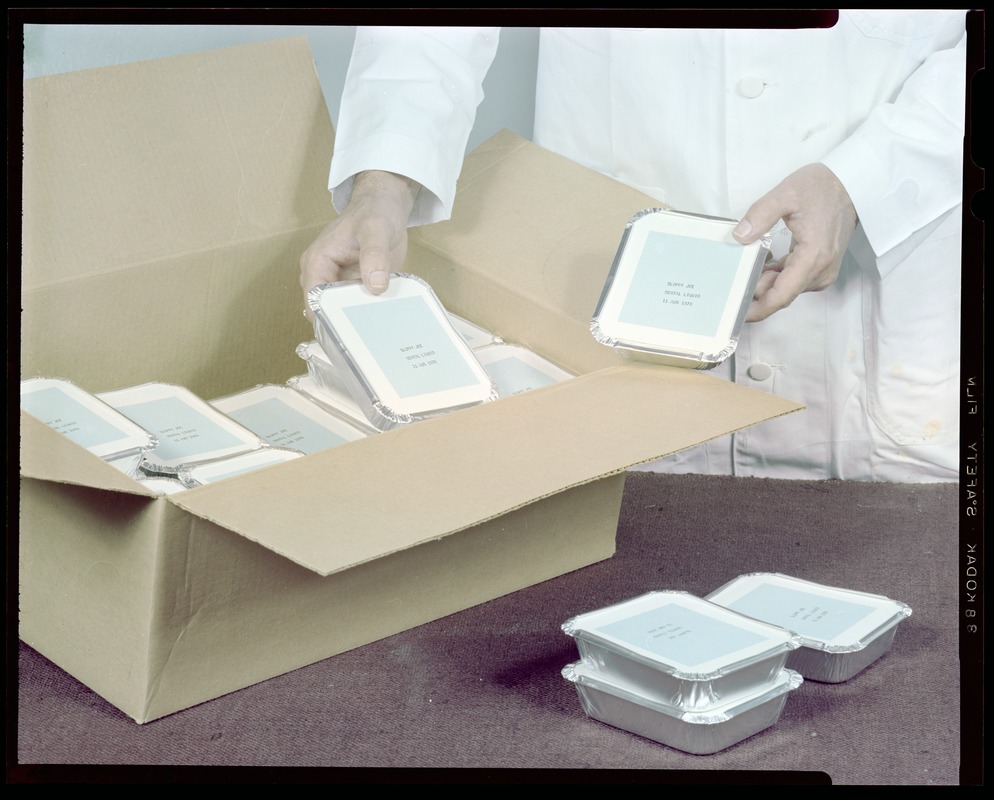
681, 284
512, 375
284, 426
679, 634
803, 613
414, 351
182, 430
62, 413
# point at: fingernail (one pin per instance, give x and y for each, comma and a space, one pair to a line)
378, 280
744, 228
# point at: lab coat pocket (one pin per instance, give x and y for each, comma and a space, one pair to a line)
912, 350
904, 27
886, 25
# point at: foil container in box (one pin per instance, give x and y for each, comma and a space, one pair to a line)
333, 399
283, 417
189, 430
320, 370
194, 475
678, 289
475, 335
88, 421
517, 369
681, 650
162, 485
695, 732
397, 353
841, 631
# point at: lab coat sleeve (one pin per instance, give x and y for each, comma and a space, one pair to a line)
903, 166
408, 107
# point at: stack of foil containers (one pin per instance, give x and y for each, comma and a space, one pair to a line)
700, 675
681, 671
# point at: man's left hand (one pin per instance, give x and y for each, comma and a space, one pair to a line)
819, 213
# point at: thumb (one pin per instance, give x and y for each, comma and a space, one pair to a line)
761, 217
375, 267
382, 248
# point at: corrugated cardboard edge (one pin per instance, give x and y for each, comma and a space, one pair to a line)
303, 493
46, 454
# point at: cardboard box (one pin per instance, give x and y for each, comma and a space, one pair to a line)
165, 207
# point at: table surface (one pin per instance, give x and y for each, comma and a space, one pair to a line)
478, 696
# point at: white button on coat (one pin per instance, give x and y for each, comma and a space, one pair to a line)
760, 371
751, 87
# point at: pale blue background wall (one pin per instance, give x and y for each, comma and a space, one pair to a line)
509, 89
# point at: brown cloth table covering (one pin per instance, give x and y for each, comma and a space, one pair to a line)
478, 696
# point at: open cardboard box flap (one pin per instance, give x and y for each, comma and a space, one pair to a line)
142, 162
162, 199
394, 491
383, 493
166, 204
223, 142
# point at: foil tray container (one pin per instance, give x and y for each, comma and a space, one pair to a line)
88, 421
283, 417
694, 732
194, 475
333, 399
397, 353
841, 631
162, 485
322, 373
189, 430
516, 369
678, 290
476, 336
681, 650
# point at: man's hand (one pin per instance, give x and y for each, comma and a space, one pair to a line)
369, 239
817, 210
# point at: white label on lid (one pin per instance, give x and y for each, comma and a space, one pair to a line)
682, 636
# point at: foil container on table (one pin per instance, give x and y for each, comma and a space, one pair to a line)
696, 732
681, 650
841, 631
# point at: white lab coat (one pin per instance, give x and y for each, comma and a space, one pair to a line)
708, 121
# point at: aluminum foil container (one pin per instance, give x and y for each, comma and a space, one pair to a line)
320, 370
475, 335
162, 485
88, 421
681, 650
678, 290
189, 430
841, 631
695, 732
397, 354
194, 475
333, 399
516, 369
284, 417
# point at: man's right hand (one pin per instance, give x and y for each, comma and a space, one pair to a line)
369, 239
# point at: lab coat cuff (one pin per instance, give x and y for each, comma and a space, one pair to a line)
882, 208
887, 206
395, 153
